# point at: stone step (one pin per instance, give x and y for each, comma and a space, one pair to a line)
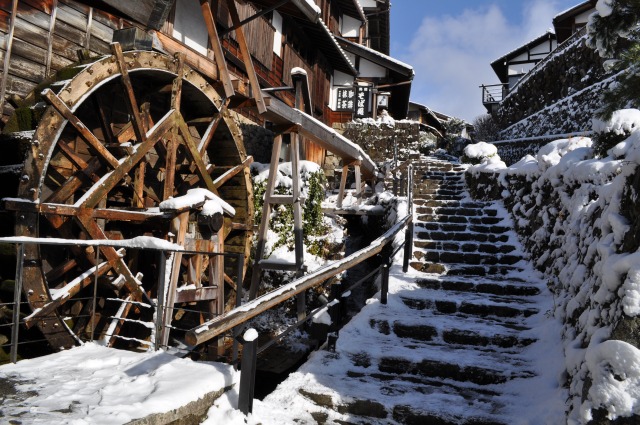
456, 233
465, 212
484, 248
467, 308
471, 258
460, 219
464, 270
418, 202
416, 415
438, 197
458, 331
507, 287
451, 370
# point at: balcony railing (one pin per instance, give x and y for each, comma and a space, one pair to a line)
493, 94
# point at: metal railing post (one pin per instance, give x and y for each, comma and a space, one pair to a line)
17, 298
248, 371
384, 285
162, 268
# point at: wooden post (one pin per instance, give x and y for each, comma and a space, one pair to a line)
160, 303
52, 24
408, 247
17, 297
236, 330
266, 211
246, 57
384, 286
248, 371
218, 53
95, 294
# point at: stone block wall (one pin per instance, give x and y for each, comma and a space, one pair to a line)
379, 140
571, 68
580, 223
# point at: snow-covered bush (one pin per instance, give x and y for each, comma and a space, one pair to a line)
579, 217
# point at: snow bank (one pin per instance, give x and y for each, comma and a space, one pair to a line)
92, 384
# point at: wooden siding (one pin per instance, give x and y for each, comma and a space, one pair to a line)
47, 37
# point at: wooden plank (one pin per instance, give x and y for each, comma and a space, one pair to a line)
203, 293
195, 60
218, 53
7, 56
246, 57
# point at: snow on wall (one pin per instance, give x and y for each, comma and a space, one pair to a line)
579, 217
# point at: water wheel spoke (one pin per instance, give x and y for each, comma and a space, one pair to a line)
212, 126
82, 130
132, 103
110, 180
71, 289
194, 155
110, 253
63, 193
78, 162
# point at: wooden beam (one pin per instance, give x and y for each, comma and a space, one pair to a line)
237, 316
52, 24
82, 130
246, 57
132, 103
7, 54
68, 291
192, 150
218, 53
92, 197
228, 175
89, 224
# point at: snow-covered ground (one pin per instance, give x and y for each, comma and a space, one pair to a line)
93, 384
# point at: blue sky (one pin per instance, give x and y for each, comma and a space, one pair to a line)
451, 44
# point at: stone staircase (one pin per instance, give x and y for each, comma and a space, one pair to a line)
450, 344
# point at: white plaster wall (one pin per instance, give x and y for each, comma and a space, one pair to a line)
584, 17
350, 27
367, 3
371, 70
521, 68
277, 37
189, 26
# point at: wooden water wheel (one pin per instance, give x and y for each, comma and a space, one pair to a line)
127, 132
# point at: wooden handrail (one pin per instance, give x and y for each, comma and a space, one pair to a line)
401, 166
242, 314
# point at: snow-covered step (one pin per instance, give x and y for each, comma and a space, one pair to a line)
466, 212
473, 258
442, 232
480, 307
507, 286
485, 248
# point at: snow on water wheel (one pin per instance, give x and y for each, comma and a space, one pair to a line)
126, 133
